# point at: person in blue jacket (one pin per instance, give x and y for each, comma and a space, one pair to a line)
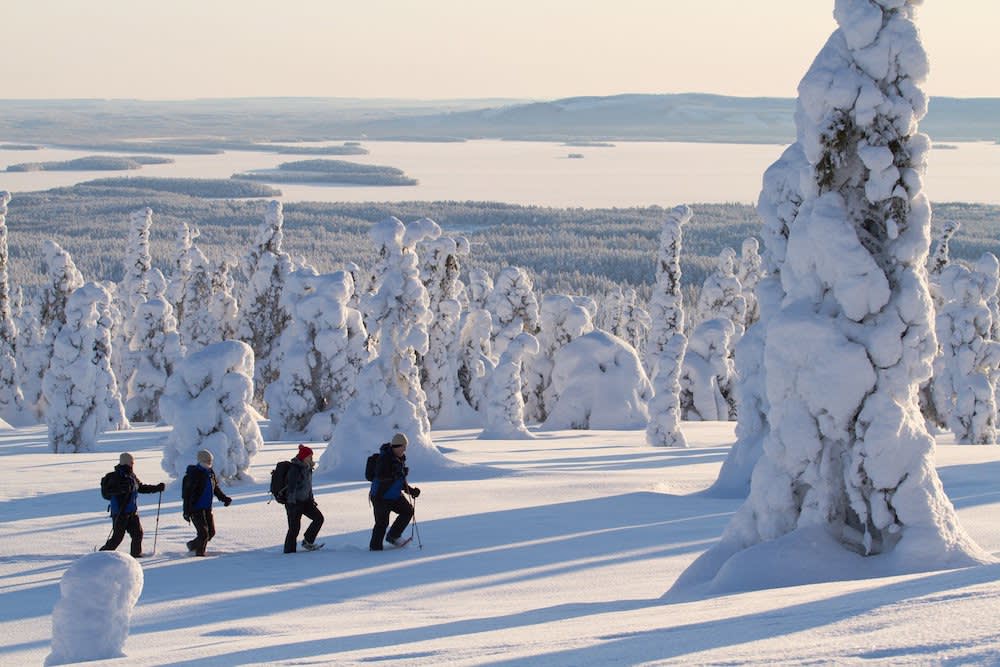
197, 489
386, 493
125, 507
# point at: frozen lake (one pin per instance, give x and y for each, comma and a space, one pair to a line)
539, 173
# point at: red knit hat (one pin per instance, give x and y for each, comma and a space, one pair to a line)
304, 453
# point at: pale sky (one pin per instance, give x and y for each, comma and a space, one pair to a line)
436, 49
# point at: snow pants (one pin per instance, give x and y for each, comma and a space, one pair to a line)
125, 522
382, 508
204, 524
295, 512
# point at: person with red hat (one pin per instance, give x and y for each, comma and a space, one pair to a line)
301, 503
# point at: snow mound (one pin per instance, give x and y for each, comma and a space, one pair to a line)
599, 383
91, 619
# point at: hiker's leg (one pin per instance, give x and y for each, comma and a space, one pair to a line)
118, 525
294, 513
404, 512
312, 512
381, 509
134, 529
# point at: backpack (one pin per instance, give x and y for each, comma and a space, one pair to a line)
371, 465
279, 481
112, 484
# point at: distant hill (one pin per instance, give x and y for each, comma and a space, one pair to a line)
681, 117
687, 117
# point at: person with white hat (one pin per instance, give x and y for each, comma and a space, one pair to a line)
124, 505
197, 490
386, 494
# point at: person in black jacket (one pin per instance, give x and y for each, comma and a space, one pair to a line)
125, 507
197, 489
386, 493
300, 502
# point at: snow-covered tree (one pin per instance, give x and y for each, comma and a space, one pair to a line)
62, 279
749, 272
722, 294
475, 357
969, 360
847, 469
156, 349
560, 322
636, 324
111, 320
779, 204
479, 289
181, 269
597, 382
11, 400
223, 307
513, 306
504, 403
667, 342
79, 384
941, 257
388, 396
207, 401
262, 318
132, 291
439, 271
707, 373
322, 350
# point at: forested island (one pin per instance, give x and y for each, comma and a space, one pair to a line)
92, 163
329, 172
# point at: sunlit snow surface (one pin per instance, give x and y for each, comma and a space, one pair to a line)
561, 557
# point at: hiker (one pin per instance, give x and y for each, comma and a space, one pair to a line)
125, 507
197, 489
299, 502
386, 494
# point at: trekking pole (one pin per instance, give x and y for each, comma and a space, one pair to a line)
156, 531
414, 530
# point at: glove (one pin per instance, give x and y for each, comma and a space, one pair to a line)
415, 492
187, 517
227, 502
161, 487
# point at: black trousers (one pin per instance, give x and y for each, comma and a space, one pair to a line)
125, 522
404, 512
204, 524
295, 512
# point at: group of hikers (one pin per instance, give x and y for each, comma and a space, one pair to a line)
200, 487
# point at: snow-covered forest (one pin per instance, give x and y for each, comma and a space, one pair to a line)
837, 331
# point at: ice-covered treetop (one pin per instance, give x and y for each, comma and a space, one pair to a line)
871, 67
270, 234
4, 200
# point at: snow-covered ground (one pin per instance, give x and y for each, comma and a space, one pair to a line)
561, 556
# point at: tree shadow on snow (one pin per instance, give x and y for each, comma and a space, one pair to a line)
463, 553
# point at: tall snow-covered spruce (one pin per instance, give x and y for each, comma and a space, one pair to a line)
11, 400
667, 343
262, 317
388, 397
322, 351
80, 389
847, 468
207, 401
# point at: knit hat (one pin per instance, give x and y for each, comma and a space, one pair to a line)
126, 459
399, 439
205, 456
304, 453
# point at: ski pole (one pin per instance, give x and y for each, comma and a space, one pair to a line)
156, 531
414, 530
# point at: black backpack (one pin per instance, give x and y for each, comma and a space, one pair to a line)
112, 484
371, 466
279, 482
